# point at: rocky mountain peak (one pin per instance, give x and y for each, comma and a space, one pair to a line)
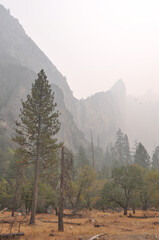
119, 87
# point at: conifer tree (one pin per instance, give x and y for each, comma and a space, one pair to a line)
142, 158
126, 149
81, 158
119, 146
36, 128
155, 158
122, 150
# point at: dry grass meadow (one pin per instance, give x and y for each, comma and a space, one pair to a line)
114, 225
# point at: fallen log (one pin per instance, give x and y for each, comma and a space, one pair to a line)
11, 235
97, 236
6, 221
97, 225
142, 217
11, 221
72, 215
126, 230
155, 223
3, 210
51, 221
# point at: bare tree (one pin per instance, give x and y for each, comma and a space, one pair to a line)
65, 175
92, 150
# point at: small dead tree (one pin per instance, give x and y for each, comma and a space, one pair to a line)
92, 150
65, 176
13, 230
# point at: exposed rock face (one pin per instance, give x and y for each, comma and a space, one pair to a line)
17, 47
21, 60
15, 84
102, 114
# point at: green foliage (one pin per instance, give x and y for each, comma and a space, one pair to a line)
6, 153
122, 151
46, 197
4, 196
35, 130
38, 122
79, 188
142, 158
81, 158
110, 195
117, 154
155, 158
128, 177
123, 186
152, 185
27, 194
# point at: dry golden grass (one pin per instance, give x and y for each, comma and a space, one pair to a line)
115, 225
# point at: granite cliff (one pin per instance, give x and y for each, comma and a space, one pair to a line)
21, 60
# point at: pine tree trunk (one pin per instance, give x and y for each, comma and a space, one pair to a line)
92, 147
14, 203
35, 191
56, 211
15, 196
144, 207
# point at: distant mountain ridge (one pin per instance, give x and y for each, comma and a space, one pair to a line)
20, 61
16, 46
101, 114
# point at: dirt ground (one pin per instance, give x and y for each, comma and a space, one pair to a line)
115, 226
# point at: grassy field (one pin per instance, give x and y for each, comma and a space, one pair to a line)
114, 225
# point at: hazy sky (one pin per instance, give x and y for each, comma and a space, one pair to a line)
96, 42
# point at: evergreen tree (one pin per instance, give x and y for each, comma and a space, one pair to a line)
6, 152
155, 158
133, 150
122, 150
126, 149
108, 162
119, 146
108, 156
36, 128
142, 158
81, 158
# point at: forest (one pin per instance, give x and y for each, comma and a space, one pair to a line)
40, 175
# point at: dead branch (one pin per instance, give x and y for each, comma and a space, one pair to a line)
6, 221
9, 221
51, 221
97, 236
97, 225
144, 216
72, 215
3, 210
126, 230
11, 235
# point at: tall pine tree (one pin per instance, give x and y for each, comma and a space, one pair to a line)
122, 150
142, 157
36, 128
